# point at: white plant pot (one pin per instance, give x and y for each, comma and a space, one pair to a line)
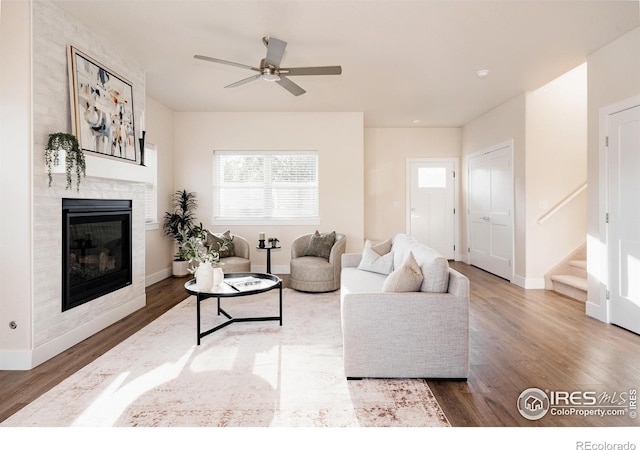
180, 268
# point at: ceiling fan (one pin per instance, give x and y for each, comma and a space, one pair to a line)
270, 69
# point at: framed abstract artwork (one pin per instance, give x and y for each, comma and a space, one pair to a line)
101, 107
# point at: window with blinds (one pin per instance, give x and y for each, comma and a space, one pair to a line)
151, 191
265, 187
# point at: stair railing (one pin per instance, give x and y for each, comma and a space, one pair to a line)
562, 203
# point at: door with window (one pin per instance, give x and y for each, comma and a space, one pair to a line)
490, 205
623, 166
431, 201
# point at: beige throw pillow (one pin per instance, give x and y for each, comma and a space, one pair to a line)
381, 248
406, 278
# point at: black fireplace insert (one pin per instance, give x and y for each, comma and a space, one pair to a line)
96, 249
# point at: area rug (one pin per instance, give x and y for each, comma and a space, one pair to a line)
255, 374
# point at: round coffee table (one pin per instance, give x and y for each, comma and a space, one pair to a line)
235, 285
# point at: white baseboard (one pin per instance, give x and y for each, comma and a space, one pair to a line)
15, 360
598, 312
158, 276
64, 342
528, 283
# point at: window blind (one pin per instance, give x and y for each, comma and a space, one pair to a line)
265, 185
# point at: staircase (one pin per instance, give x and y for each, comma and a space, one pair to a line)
570, 276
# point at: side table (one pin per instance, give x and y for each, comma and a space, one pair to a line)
268, 249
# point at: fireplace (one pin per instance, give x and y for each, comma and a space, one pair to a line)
96, 249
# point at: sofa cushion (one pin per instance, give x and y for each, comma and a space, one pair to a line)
406, 278
233, 264
374, 262
320, 244
222, 243
355, 281
311, 268
400, 247
434, 267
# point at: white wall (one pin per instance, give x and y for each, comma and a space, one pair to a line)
556, 165
338, 137
386, 154
614, 76
160, 249
502, 124
15, 184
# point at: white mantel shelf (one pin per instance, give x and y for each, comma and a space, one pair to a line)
111, 168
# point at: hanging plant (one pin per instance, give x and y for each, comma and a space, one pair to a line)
74, 157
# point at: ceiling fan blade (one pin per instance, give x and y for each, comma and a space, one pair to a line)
290, 86
324, 70
244, 81
275, 51
222, 61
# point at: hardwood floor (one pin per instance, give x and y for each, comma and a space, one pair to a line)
519, 339
535, 338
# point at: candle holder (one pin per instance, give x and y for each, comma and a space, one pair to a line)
261, 243
142, 148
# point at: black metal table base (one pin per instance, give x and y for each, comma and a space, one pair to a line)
201, 297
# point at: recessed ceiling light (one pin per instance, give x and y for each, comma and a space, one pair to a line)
482, 73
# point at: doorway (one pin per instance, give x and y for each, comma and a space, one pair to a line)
431, 203
490, 210
623, 217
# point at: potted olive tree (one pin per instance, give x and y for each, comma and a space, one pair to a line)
179, 225
65, 144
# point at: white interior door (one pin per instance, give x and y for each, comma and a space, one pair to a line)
432, 205
623, 160
490, 205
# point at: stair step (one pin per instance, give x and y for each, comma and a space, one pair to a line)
571, 280
580, 263
571, 286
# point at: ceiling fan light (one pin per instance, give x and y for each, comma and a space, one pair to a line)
270, 77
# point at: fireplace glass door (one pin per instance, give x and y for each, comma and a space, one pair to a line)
96, 249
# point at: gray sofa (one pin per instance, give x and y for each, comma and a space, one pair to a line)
423, 334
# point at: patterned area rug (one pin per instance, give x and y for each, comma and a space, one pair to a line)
255, 374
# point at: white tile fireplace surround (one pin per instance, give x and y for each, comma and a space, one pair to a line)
54, 330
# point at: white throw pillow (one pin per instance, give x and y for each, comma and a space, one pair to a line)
406, 278
373, 262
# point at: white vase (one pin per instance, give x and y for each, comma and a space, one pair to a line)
204, 276
218, 276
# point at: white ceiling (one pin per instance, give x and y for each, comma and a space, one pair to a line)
402, 60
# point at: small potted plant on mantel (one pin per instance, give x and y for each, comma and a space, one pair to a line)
65, 144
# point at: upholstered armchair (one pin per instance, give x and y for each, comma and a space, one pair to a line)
315, 265
236, 257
